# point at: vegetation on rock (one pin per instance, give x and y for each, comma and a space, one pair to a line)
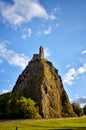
41, 82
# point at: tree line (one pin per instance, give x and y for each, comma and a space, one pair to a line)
14, 106
78, 110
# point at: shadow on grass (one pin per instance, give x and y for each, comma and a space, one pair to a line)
50, 127
83, 128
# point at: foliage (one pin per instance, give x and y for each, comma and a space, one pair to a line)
84, 109
13, 106
77, 109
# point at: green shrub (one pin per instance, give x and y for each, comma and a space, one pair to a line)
77, 109
84, 109
13, 106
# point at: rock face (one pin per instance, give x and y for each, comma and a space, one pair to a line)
41, 82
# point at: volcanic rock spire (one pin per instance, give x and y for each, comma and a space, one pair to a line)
41, 82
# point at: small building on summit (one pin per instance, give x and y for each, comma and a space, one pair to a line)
40, 55
41, 52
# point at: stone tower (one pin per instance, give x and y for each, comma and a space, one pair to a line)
41, 52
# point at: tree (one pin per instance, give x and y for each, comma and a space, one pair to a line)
84, 109
13, 106
77, 109
4, 98
27, 108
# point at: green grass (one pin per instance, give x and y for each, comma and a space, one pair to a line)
44, 124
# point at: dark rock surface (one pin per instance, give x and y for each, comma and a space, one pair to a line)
40, 81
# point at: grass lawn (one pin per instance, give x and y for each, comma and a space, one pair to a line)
44, 124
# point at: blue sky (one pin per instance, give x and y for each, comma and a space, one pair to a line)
59, 26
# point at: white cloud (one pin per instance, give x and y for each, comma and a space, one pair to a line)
73, 74
46, 52
12, 57
27, 33
82, 104
80, 100
4, 91
44, 32
83, 52
48, 31
70, 76
67, 66
22, 11
55, 11
82, 69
